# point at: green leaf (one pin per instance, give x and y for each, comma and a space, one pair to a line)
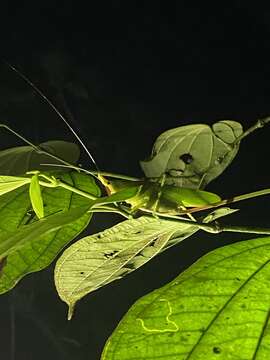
19, 160
32, 233
15, 210
10, 183
216, 309
97, 260
36, 197
193, 155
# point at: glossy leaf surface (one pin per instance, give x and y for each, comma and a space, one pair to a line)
217, 309
193, 155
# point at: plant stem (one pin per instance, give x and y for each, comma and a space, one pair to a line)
244, 229
216, 228
258, 125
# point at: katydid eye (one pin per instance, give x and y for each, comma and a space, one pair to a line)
187, 158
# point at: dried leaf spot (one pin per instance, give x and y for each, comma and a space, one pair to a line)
186, 158
110, 254
219, 160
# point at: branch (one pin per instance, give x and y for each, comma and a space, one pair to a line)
258, 125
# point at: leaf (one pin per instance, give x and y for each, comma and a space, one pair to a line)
19, 160
31, 233
36, 197
36, 255
10, 183
97, 260
217, 309
193, 155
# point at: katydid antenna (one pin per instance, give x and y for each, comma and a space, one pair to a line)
50, 103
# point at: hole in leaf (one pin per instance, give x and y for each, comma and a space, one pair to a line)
187, 158
110, 254
216, 350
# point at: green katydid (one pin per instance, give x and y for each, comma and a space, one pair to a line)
159, 197
161, 193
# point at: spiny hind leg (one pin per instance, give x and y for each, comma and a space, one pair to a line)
182, 207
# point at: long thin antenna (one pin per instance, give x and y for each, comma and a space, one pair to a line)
49, 102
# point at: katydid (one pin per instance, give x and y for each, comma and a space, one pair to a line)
160, 197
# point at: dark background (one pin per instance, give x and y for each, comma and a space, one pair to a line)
129, 70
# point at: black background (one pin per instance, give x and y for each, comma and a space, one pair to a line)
129, 70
